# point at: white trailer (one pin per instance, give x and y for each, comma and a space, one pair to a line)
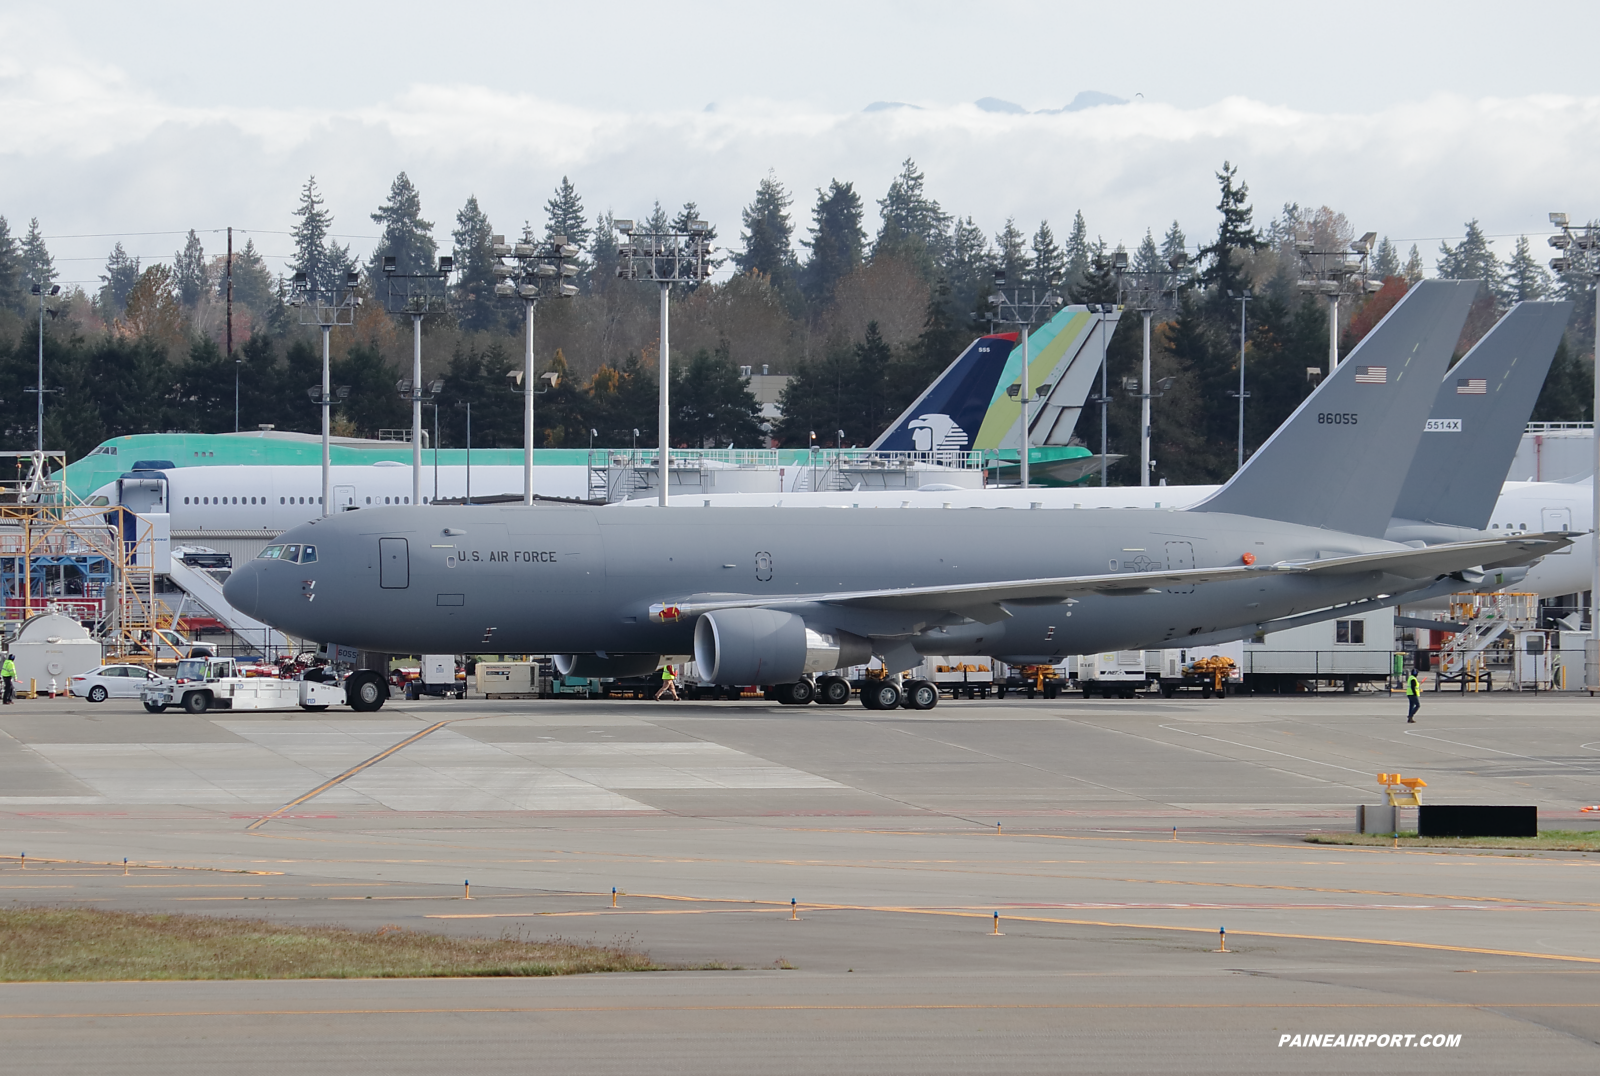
1345, 650
1119, 673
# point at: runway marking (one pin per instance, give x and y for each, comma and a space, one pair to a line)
1026, 1006
346, 775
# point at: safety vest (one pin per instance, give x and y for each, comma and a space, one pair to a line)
9, 669
667, 673
1413, 686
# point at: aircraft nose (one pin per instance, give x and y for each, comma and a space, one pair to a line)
243, 590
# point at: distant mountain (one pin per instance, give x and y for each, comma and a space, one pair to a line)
885, 106
995, 104
1092, 99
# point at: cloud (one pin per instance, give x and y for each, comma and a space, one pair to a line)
85, 149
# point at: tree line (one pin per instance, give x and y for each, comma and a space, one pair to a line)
860, 323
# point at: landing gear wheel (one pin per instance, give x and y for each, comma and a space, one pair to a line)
798, 693
880, 695
921, 695
98, 693
833, 691
196, 702
366, 691
154, 708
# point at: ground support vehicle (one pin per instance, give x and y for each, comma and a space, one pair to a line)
1031, 680
1117, 674
202, 684
437, 678
960, 674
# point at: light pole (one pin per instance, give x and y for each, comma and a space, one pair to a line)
1242, 298
539, 268
326, 308
1580, 255
1336, 273
418, 395
1152, 286
41, 292
416, 295
667, 258
1023, 306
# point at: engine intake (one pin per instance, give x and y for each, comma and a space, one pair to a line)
615, 666
765, 646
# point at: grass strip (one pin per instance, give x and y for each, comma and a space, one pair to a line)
76, 945
1551, 840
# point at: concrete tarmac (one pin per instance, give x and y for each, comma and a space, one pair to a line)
898, 835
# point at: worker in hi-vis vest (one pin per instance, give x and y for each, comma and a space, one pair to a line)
1413, 697
669, 683
8, 672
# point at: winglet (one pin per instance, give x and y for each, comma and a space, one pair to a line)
1340, 460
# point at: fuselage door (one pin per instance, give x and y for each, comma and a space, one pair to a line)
1559, 520
344, 498
394, 564
1180, 557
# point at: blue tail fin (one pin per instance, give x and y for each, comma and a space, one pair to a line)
948, 414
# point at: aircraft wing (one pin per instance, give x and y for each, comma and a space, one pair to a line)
1422, 563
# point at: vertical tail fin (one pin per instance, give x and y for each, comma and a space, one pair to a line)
1340, 460
1063, 353
949, 413
1478, 416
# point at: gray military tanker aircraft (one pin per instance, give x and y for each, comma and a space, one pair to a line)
775, 596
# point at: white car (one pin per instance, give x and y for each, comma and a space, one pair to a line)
110, 682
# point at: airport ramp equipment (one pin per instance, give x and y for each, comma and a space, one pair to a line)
206, 589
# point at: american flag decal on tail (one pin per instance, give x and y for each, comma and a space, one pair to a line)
1472, 386
1372, 375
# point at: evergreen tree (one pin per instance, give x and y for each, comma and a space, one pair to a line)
1147, 259
253, 286
122, 273
1470, 259
837, 240
714, 407
1386, 263
603, 264
969, 275
767, 233
1174, 246
476, 309
1413, 269
1234, 235
1524, 277
189, 271
680, 224
564, 215
1011, 252
407, 238
38, 267
1100, 283
658, 221
915, 228
1568, 392
13, 295
1048, 263
1077, 253
323, 261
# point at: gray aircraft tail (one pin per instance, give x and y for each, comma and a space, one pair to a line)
1478, 417
1340, 460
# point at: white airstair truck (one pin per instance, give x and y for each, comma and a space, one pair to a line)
211, 683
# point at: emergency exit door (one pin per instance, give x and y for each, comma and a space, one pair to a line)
394, 564
344, 498
1558, 520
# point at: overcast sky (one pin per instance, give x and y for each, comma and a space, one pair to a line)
1409, 117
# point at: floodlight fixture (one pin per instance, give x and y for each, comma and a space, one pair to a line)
1365, 244
623, 226
389, 263
1119, 260
352, 279
447, 264
1558, 219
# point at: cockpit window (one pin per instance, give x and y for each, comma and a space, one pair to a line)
272, 552
308, 554
291, 552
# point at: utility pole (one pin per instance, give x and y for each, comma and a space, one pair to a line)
230, 333
417, 295
1242, 298
667, 258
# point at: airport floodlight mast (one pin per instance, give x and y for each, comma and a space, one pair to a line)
1336, 273
1024, 306
1242, 298
416, 295
418, 395
529, 271
1580, 259
325, 309
41, 291
1149, 286
667, 258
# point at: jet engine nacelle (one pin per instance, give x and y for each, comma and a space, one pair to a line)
765, 646
615, 667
